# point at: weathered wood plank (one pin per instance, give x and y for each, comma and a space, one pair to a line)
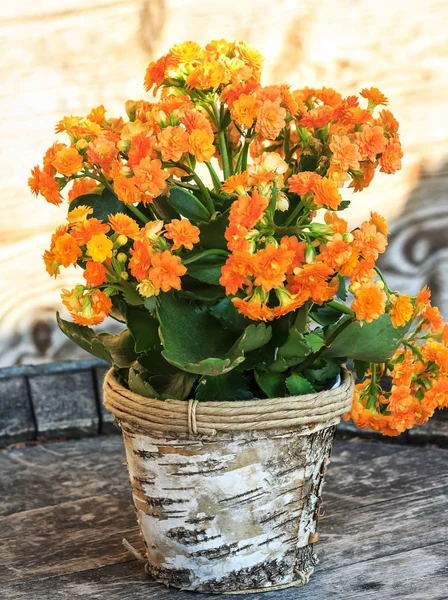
16, 415
65, 538
65, 404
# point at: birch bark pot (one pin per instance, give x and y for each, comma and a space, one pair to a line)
228, 494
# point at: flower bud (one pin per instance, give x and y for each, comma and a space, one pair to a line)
354, 287
310, 254
124, 275
122, 258
131, 108
282, 202
348, 237
124, 145
380, 284
81, 144
121, 240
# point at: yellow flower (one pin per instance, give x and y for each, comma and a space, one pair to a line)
99, 248
79, 214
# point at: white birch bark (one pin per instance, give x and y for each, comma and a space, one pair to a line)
230, 513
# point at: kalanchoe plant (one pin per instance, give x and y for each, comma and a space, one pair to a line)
208, 223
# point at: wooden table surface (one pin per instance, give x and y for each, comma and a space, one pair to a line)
66, 507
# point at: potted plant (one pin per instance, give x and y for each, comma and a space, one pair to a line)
208, 223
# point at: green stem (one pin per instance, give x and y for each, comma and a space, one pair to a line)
138, 213
295, 213
204, 191
224, 154
340, 307
214, 176
192, 259
389, 291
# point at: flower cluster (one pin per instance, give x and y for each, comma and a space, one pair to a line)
261, 238
406, 390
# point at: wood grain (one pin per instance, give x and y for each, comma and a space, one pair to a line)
65, 58
67, 506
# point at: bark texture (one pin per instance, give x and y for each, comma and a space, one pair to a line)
231, 513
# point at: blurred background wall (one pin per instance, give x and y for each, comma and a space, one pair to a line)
63, 57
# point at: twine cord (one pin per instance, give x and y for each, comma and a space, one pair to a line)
207, 418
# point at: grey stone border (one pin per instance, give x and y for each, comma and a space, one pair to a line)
64, 401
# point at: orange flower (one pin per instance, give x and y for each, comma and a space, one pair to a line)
67, 161
232, 92
173, 142
345, 154
95, 308
253, 308
288, 302
124, 225
326, 193
369, 240
183, 233
246, 211
390, 160
270, 266
236, 238
236, 183
389, 122
81, 187
362, 272
338, 224
186, 52
235, 272
292, 243
208, 75
436, 352
371, 141
374, 97
369, 303
51, 264
142, 146
155, 74
102, 152
432, 316
400, 400
66, 251
244, 110
140, 261
79, 214
42, 183
271, 119
363, 177
126, 189
336, 252
402, 310
94, 273
312, 279
303, 183
317, 118
166, 270
84, 230
379, 222
150, 177
201, 145
194, 119
422, 300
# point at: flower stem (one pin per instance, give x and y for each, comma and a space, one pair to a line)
214, 176
342, 308
217, 251
138, 213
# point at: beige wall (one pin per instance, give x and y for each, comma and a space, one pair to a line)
61, 57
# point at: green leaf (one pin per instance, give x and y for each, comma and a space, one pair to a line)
229, 386
120, 347
298, 385
322, 371
155, 364
344, 204
130, 294
137, 384
212, 233
202, 292
85, 338
272, 384
361, 368
163, 208
194, 341
315, 341
118, 311
103, 205
207, 269
325, 315
226, 312
372, 342
292, 352
342, 289
144, 328
175, 385
187, 205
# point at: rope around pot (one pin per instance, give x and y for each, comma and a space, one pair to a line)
208, 418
